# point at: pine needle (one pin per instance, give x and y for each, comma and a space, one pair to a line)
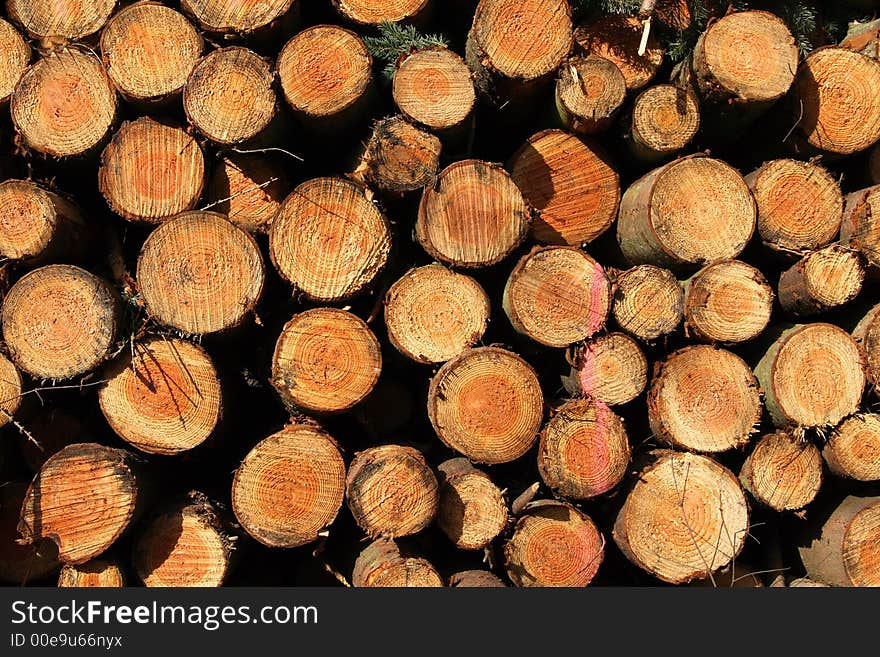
395, 40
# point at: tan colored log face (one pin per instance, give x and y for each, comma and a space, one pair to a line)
648, 302
472, 510
783, 472
241, 16
399, 157
382, 564
97, 573
68, 19
475, 579
853, 448
10, 390
289, 487
861, 554
589, 91
823, 279
867, 336
38, 226
617, 39
17, 54
665, 118
433, 87
249, 190
21, 564
373, 12
860, 228
611, 368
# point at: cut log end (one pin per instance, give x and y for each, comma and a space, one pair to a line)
648, 302
17, 54
60, 321
782, 472
329, 240
163, 399
486, 404
383, 564
433, 314
326, 361
665, 119
199, 273
399, 157
853, 449
860, 228
233, 16
472, 511
433, 87
584, 450
611, 368
553, 544
289, 487
249, 190
21, 564
867, 336
589, 92
821, 280
475, 579
374, 12
67, 19
10, 390
97, 573
617, 38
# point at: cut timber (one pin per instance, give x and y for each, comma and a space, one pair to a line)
513, 43
97, 573
433, 314
665, 119
52, 431
813, 375
399, 157
149, 50
374, 12
845, 550
60, 321
249, 190
685, 517
867, 335
475, 579
487, 404
835, 95
163, 397
704, 399
151, 171
383, 564
782, 472
69, 20
570, 183
693, 211
648, 302
472, 511
617, 38
289, 487
16, 55
10, 390
745, 57
821, 280
611, 368
326, 361
325, 73
433, 87
391, 491
200, 274
64, 104
805, 582
557, 296
473, 216
235, 16
729, 301
83, 498
584, 450
229, 95
38, 226
329, 240
21, 564
589, 91
861, 223
799, 205
553, 544
186, 544
853, 448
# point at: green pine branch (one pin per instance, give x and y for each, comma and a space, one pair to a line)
394, 40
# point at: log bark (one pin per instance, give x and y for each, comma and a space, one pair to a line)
481, 579
783, 471
97, 573
374, 12
21, 564
821, 280
69, 20
233, 17
249, 190
433, 87
383, 564
589, 92
853, 448
860, 228
617, 39
867, 336
471, 511
648, 302
611, 368
665, 119
17, 55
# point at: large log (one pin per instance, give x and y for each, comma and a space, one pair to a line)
433, 87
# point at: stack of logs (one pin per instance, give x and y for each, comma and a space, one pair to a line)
544, 309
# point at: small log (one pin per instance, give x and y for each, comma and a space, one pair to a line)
97, 573
570, 183
374, 12
853, 448
867, 335
839, 113
249, 190
806, 582
164, 397
329, 240
475, 579
83, 498
617, 38
433, 87
69, 20
487, 404
21, 564
64, 104
433, 314
821, 280
584, 450
729, 301
60, 321
860, 229
233, 17
693, 211
383, 564
685, 517
648, 302
611, 368
473, 216
52, 430
800, 206
326, 361
10, 391
845, 549
187, 544
783, 472
704, 399
665, 119
553, 544
399, 157
151, 171
229, 96
391, 491
813, 375
17, 55
149, 50
589, 92
289, 487
557, 296
471, 511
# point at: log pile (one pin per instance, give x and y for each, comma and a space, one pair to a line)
404, 293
